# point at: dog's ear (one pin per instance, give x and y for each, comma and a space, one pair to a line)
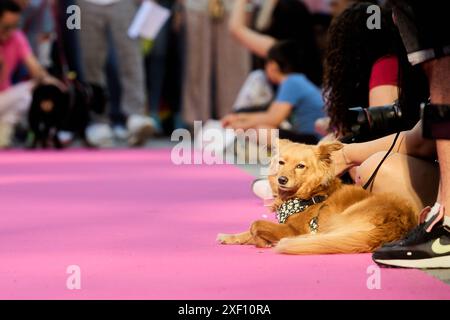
325, 149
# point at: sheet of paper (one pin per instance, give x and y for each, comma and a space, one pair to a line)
148, 21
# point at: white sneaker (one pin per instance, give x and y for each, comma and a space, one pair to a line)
66, 137
100, 135
120, 132
140, 128
261, 188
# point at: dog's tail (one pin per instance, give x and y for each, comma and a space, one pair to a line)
328, 243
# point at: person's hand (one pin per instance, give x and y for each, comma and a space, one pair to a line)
341, 162
238, 121
228, 120
233, 121
322, 125
50, 80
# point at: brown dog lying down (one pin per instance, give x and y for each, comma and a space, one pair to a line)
320, 215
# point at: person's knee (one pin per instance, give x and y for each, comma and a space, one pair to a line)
368, 167
18, 104
24, 103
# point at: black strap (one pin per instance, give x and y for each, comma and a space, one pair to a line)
313, 200
374, 174
436, 121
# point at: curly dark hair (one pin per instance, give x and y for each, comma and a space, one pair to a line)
352, 51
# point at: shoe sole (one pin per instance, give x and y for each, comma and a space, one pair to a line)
431, 263
141, 136
105, 143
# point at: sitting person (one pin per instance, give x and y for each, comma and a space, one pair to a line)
272, 21
15, 50
407, 171
296, 96
279, 20
366, 68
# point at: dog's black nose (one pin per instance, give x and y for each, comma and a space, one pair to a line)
283, 180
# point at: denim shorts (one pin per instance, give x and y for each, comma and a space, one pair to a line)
424, 28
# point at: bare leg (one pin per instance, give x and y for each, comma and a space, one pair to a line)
438, 72
443, 147
414, 179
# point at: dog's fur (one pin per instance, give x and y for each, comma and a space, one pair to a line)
351, 219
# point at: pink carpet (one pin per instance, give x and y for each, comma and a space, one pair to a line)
140, 227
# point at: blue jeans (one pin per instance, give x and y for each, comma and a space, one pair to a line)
70, 40
155, 64
114, 88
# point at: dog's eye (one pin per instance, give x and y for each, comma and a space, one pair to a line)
301, 166
281, 163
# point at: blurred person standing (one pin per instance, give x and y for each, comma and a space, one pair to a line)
156, 61
68, 39
216, 65
99, 19
38, 24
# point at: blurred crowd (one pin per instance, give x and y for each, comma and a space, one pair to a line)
204, 64
249, 63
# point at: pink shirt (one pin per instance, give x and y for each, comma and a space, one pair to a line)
12, 52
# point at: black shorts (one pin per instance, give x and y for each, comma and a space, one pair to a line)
424, 27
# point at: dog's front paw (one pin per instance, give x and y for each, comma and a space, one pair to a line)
226, 239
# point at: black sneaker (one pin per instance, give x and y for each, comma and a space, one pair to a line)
426, 246
416, 235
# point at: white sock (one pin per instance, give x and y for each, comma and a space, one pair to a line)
447, 221
434, 211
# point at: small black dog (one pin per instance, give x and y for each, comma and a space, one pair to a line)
53, 110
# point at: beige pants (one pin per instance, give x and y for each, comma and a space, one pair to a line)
14, 104
216, 66
96, 20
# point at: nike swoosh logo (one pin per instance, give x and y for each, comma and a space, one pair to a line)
439, 248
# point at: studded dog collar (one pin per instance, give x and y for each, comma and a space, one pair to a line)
296, 205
